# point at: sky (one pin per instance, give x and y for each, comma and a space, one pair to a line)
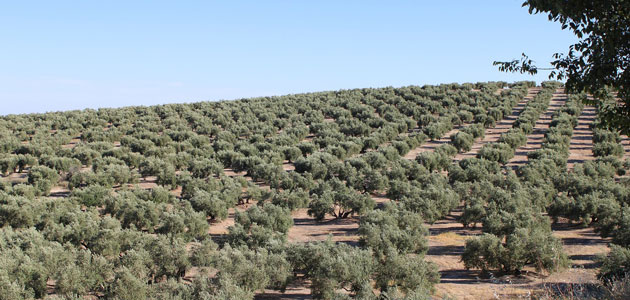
65, 55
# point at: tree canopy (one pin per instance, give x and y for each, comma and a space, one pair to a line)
598, 62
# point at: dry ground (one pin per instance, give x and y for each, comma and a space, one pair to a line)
534, 140
447, 236
446, 244
492, 134
581, 147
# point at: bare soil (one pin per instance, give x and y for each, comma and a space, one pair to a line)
446, 138
534, 140
431, 145
447, 237
581, 147
446, 244
492, 134
307, 229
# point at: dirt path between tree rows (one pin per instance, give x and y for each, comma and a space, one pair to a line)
492, 134
534, 140
306, 229
581, 147
582, 245
446, 245
431, 145
447, 236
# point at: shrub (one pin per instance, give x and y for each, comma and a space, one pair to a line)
462, 141
334, 198
8, 164
86, 272
406, 273
473, 169
526, 246
368, 181
42, 178
585, 208
499, 152
476, 130
157, 195
436, 130
603, 135
465, 116
210, 203
432, 202
607, 148
252, 270
514, 137
61, 164
393, 229
133, 212
92, 195
439, 159
332, 267
401, 147
258, 227
169, 257
313, 165
204, 168
616, 264
271, 216
18, 212
291, 153
184, 223
119, 174
291, 199
127, 286
85, 155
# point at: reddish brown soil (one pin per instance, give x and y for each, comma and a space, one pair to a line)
17, 177
297, 290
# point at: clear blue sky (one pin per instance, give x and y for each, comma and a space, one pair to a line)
61, 55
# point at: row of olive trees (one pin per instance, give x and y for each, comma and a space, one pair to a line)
396, 232
110, 239
366, 173
161, 150
591, 195
395, 235
516, 234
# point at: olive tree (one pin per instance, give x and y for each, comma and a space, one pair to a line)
42, 178
260, 226
336, 199
393, 228
525, 246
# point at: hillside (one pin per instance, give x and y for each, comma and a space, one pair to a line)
470, 191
